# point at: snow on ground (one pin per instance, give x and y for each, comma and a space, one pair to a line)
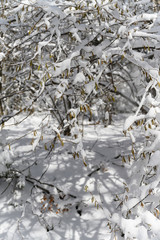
60, 197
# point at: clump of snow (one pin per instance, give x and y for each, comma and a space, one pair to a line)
151, 113
60, 67
50, 7
89, 87
129, 121
106, 116
2, 55
152, 221
130, 227
79, 78
122, 30
155, 158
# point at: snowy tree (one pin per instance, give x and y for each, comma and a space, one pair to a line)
72, 59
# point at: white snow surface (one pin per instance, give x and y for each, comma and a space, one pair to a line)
22, 216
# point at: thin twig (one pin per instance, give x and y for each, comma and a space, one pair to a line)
6, 188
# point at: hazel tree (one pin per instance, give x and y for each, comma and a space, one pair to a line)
68, 51
62, 57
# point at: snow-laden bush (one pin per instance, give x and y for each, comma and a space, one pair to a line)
62, 56
140, 203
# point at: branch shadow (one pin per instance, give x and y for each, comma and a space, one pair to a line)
73, 213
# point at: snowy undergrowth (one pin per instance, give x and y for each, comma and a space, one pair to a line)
49, 194
64, 57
